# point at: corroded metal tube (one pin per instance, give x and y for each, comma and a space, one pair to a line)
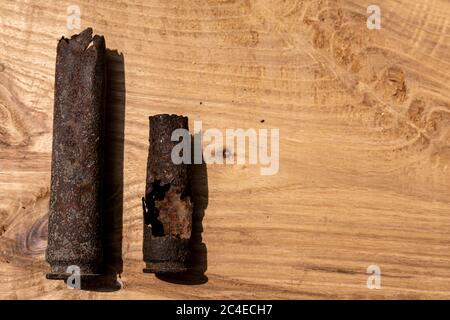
167, 203
74, 230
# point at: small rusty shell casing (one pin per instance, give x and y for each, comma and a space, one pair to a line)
167, 202
75, 224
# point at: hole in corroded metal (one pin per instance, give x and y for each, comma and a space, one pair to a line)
151, 213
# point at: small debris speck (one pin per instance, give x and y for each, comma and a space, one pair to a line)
226, 154
262, 121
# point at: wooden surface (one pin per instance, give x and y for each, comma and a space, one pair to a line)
364, 119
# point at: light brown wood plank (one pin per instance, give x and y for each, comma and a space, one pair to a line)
364, 119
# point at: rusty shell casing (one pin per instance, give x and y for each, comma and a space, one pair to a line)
167, 203
74, 230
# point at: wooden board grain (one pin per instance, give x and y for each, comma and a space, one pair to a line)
364, 119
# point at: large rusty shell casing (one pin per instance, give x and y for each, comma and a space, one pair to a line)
167, 203
75, 223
